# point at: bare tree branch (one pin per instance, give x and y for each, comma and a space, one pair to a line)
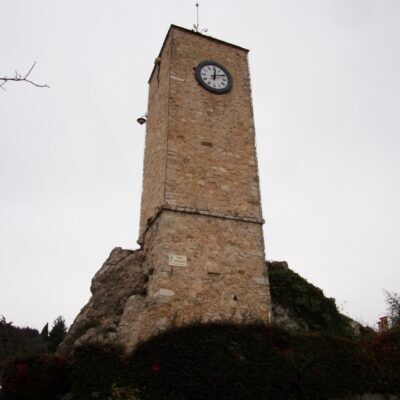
19, 78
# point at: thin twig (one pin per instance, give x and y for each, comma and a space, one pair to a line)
19, 78
30, 70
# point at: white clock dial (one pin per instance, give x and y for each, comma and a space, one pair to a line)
213, 77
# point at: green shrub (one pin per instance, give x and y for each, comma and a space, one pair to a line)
218, 361
213, 362
41, 377
331, 367
225, 361
18, 342
383, 352
94, 369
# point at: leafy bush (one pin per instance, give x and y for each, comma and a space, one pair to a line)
219, 361
18, 342
35, 378
331, 367
210, 362
95, 369
383, 351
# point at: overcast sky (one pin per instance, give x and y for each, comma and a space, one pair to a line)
326, 93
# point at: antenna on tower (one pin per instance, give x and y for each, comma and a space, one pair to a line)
196, 26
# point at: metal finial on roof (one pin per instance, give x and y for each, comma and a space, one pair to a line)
196, 26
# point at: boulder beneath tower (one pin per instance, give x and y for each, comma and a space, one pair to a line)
120, 279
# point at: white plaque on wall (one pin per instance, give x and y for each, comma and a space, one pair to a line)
177, 261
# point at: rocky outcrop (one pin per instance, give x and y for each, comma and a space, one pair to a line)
283, 319
120, 278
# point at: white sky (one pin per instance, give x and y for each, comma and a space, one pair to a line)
326, 92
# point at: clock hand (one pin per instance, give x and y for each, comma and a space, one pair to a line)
215, 73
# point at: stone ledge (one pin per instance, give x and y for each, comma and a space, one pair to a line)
189, 210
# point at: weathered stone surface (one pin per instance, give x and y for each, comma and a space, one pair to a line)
283, 319
164, 292
200, 147
120, 278
195, 293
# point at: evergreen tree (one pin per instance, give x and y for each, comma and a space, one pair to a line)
44, 334
57, 333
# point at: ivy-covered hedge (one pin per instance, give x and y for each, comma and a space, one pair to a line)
306, 302
42, 377
227, 361
221, 361
94, 370
383, 352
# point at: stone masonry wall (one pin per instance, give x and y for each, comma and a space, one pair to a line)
200, 147
211, 160
156, 139
139, 293
224, 277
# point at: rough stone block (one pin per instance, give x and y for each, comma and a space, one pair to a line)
162, 292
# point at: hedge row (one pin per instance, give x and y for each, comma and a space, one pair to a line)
216, 361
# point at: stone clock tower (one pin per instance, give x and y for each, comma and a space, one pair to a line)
201, 220
202, 249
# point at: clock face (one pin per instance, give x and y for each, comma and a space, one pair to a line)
213, 77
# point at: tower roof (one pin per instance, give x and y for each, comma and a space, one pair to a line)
197, 34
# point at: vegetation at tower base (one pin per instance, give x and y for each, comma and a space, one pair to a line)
219, 361
18, 342
22, 343
41, 377
300, 306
